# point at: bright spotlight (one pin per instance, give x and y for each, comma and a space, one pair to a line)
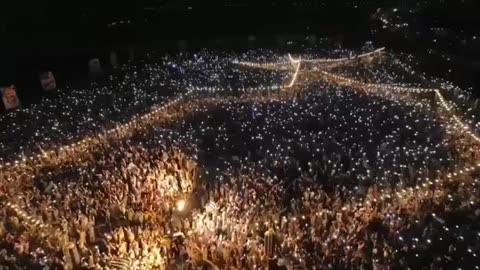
181, 205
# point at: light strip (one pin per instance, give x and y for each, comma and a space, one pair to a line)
442, 100
247, 89
86, 140
294, 78
292, 60
320, 60
273, 87
384, 86
326, 60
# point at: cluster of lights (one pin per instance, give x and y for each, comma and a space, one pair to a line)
276, 65
443, 103
121, 127
409, 192
295, 62
32, 222
146, 262
417, 90
420, 189
404, 193
24, 160
378, 86
437, 92
273, 65
82, 142
76, 113
25, 216
78, 146
343, 59
248, 89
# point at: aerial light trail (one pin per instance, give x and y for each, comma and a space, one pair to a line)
319, 60
292, 60
294, 78
327, 60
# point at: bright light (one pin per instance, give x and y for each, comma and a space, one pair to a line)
299, 61
181, 205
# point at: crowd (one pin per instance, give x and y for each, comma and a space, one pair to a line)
327, 167
323, 175
85, 109
76, 112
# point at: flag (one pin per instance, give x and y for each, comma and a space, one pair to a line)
94, 66
9, 97
113, 59
47, 80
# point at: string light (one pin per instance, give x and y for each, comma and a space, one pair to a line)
275, 65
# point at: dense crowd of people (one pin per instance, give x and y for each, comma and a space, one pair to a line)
82, 110
241, 172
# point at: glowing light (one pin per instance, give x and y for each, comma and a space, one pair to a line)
294, 61
294, 78
181, 205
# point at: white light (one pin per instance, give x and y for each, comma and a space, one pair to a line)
181, 205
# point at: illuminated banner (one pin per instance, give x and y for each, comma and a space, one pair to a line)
9, 97
47, 80
94, 66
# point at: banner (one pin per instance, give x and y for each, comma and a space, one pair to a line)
94, 66
113, 59
131, 54
9, 97
47, 80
